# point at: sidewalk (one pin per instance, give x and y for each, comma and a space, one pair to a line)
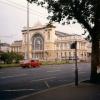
85, 91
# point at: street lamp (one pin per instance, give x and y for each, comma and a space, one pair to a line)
74, 46
27, 30
76, 68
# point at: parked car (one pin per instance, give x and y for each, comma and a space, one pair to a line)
30, 63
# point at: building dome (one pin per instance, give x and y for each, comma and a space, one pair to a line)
37, 25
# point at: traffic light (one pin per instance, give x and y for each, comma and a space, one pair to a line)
73, 45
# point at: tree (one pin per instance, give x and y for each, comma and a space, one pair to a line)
18, 57
6, 57
10, 57
3, 57
85, 12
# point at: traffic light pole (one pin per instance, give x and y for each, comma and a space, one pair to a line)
76, 68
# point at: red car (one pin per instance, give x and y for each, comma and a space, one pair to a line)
30, 63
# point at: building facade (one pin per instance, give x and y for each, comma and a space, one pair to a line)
45, 43
5, 47
16, 46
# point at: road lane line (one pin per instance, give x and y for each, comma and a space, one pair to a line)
62, 80
82, 72
43, 91
22, 97
43, 79
4, 77
51, 76
48, 86
18, 90
53, 71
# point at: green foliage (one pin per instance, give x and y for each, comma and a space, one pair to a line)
54, 62
8, 65
10, 57
86, 12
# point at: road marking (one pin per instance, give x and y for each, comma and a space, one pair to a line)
53, 71
56, 67
82, 72
48, 86
62, 80
22, 97
73, 69
42, 91
18, 90
4, 77
43, 79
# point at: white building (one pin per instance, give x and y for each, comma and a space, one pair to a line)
45, 43
16, 46
5, 47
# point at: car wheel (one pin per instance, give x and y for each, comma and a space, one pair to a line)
23, 67
30, 66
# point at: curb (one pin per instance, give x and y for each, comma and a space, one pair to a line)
42, 91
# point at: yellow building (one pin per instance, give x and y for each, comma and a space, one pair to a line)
45, 43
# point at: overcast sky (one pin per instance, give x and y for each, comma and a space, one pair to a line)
13, 17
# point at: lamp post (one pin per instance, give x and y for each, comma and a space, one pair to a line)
74, 46
76, 68
27, 30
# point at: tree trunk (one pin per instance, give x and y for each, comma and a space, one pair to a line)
95, 42
94, 60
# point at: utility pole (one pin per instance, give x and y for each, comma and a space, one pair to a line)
27, 30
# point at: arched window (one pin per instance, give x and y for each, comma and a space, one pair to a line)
37, 42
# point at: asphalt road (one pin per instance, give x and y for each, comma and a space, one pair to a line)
17, 82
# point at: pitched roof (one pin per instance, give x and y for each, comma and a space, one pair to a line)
37, 26
61, 34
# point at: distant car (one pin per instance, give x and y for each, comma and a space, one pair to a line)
30, 63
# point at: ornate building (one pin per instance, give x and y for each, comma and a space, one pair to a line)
16, 46
45, 43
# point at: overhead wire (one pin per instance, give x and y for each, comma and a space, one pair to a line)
25, 6
22, 7
8, 36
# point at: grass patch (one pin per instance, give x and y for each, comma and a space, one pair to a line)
53, 62
43, 63
8, 65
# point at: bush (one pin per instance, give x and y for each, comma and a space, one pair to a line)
10, 57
